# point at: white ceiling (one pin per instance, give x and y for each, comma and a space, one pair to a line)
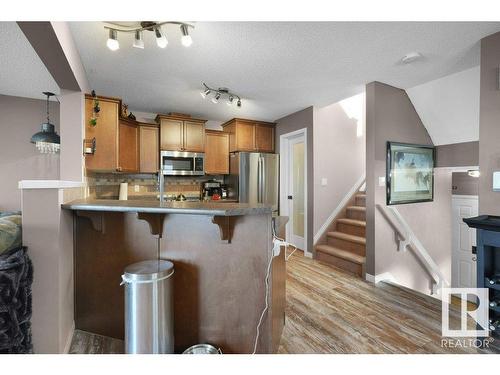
22, 73
449, 107
277, 67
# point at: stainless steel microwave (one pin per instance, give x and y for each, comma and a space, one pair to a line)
180, 163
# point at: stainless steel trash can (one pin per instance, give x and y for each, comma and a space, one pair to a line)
149, 315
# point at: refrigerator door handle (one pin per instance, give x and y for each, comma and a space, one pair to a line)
263, 168
259, 180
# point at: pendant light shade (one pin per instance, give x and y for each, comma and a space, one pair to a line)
47, 140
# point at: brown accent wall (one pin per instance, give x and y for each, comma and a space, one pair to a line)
464, 154
20, 119
295, 121
463, 184
489, 125
392, 117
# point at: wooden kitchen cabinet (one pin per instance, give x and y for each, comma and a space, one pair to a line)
181, 133
249, 135
216, 152
117, 139
128, 146
149, 153
105, 132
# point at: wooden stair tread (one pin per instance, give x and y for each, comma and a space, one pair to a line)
361, 195
343, 254
358, 223
357, 208
347, 237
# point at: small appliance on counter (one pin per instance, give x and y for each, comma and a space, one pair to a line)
224, 191
211, 190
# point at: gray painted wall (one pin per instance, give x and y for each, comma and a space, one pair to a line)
464, 154
295, 121
463, 184
489, 125
392, 117
19, 160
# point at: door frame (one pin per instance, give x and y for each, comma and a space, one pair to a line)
284, 178
472, 197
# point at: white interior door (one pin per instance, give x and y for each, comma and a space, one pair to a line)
463, 273
296, 191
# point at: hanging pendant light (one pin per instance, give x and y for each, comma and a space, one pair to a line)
47, 141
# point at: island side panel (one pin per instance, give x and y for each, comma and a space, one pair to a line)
100, 258
219, 287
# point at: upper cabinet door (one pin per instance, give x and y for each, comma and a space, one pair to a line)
148, 149
216, 152
105, 132
128, 160
194, 136
264, 138
245, 136
172, 135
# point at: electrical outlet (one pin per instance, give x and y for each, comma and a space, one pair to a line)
381, 181
136, 188
324, 181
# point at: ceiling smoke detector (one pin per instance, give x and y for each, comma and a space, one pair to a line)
411, 57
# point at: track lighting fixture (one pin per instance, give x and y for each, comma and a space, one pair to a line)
186, 39
218, 93
161, 38
138, 41
205, 93
112, 42
215, 99
155, 27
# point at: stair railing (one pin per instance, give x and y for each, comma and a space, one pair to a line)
407, 239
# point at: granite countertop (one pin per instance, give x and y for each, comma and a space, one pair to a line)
193, 208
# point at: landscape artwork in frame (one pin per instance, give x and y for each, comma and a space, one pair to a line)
410, 173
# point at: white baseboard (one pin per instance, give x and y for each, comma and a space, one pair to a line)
339, 208
308, 254
386, 276
69, 339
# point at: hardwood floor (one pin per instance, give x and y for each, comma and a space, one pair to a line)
330, 311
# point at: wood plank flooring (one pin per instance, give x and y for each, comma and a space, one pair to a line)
330, 311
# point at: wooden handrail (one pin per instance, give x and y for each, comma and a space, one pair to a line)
407, 239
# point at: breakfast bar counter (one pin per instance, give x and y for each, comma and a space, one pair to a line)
220, 250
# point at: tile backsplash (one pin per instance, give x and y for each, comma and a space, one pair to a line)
144, 186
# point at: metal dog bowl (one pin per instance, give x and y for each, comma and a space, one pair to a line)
202, 349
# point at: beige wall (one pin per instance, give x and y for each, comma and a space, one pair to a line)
489, 125
19, 160
392, 117
339, 156
465, 154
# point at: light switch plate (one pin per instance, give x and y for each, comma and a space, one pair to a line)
324, 181
496, 181
381, 181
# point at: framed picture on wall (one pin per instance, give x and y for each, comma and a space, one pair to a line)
409, 173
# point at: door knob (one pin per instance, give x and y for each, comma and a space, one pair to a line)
474, 259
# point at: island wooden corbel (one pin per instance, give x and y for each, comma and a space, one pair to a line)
96, 219
226, 226
155, 222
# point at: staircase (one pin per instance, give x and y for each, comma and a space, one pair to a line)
344, 245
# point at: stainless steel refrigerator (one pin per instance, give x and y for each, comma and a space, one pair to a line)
254, 178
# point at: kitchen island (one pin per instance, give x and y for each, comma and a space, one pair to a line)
220, 252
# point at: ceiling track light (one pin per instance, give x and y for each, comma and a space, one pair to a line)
155, 27
161, 38
112, 42
138, 41
218, 93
